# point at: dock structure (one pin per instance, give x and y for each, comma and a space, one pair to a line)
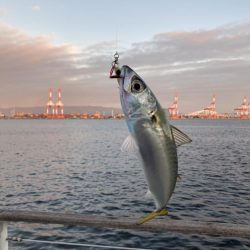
243, 111
59, 105
55, 110
208, 112
50, 105
168, 225
173, 109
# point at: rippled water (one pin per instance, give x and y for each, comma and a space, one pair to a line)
76, 166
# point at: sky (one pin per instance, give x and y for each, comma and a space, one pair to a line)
191, 48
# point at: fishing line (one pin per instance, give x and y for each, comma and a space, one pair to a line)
116, 38
17, 239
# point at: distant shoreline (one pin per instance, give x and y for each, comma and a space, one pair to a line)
116, 118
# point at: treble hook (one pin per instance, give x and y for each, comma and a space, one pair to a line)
115, 67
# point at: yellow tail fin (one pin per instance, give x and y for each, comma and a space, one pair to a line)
161, 212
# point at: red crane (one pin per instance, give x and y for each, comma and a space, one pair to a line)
173, 109
59, 104
242, 111
210, 111
50, 104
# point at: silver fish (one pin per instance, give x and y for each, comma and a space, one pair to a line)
154, 137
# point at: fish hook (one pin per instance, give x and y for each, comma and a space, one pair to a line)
115, 67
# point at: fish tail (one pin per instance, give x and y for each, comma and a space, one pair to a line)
161, 212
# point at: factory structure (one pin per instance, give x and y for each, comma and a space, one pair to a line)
243, 111
55, 110
210, 112
173, 109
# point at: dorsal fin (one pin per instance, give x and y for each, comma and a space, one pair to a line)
179, 137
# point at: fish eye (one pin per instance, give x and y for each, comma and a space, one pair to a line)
137, 86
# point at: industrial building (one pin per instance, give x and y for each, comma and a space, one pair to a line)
55, 111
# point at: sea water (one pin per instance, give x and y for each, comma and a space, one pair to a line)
76, 166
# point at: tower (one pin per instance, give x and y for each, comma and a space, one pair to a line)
173, 109
59, 104
243, 110
211, 109
50, 104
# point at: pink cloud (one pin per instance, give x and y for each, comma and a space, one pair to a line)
195, 63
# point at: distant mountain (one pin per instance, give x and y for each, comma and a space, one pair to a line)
68, 110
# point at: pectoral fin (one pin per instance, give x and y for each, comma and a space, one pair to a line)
179, 137
161, 212
129, 145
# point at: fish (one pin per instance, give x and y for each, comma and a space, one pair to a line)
152, 136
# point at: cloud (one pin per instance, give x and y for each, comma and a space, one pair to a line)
36, 8
29, 65
196, 64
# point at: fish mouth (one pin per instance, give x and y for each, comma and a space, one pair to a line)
125, 78
120, 80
